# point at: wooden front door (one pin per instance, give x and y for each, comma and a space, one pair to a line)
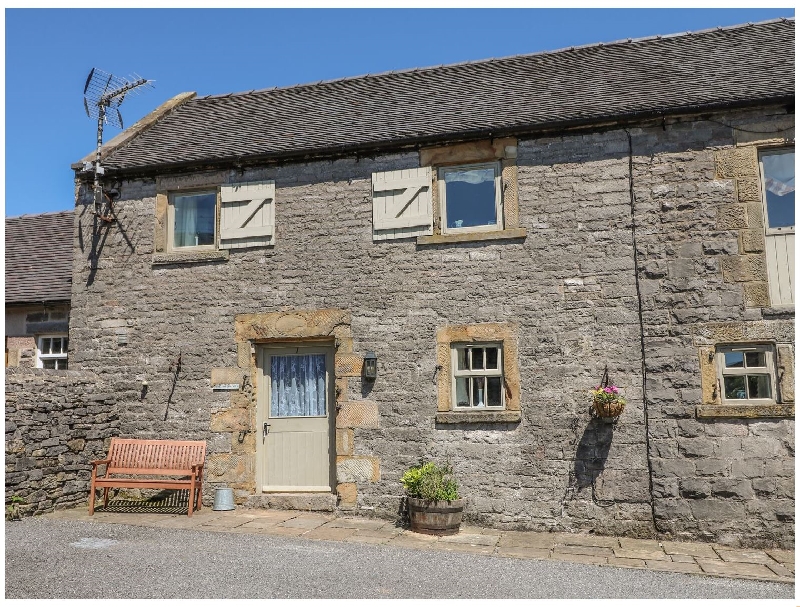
294, 419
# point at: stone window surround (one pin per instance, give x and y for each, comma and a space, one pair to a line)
193, 182
504, 151
745, 215
504, 333
744, 334
238, 468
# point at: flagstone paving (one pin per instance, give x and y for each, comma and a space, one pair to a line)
774, 565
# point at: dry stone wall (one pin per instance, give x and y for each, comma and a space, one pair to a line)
56, 423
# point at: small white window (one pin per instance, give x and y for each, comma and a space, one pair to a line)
746, 374
192, 220
51, 352
471, 199
477, 376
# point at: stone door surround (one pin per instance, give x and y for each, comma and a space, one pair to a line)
238, 468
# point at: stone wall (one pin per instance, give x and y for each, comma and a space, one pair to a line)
726, 478
56, 423
569, 290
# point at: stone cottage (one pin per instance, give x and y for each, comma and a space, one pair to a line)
38, 277
331, 282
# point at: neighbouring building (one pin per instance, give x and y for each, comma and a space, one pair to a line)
38, 289
494, 237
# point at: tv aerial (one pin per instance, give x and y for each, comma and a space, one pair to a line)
103, 94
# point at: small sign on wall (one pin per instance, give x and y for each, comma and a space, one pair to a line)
225, 387
226, 379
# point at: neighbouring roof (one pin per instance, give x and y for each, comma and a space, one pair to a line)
725, 67
39, 257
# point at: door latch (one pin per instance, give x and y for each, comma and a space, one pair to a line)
266, 428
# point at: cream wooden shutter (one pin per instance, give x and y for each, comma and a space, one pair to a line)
401, 204
779, 251
247, 215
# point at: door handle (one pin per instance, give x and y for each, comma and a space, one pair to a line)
266, 428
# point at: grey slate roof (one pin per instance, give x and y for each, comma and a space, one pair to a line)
734, 66
39, 257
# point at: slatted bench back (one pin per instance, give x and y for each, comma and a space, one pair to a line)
136, 456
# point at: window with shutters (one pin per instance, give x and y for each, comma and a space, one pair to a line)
777, 180
203, 222
461, 192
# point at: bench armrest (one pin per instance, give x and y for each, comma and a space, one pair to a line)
198, 468
99, 462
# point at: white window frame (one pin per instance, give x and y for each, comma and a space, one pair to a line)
40, 358
762, 176
498, 197
485, 373
171, 220
768, 369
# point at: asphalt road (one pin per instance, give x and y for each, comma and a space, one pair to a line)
52, 559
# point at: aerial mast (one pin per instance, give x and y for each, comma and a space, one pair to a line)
103, 94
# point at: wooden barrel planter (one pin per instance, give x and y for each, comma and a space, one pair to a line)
435, 517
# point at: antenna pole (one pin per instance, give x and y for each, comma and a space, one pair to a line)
98, 169
102, 92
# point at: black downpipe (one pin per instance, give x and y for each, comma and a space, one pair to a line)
641, 326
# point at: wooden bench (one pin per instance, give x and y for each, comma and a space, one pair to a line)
134, 459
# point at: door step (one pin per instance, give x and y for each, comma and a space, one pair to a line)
316, 502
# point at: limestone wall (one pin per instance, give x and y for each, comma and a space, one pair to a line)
726, 478
568, 290
56, 423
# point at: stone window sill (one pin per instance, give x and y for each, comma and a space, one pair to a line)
163, 259
473, 236
745, 411
477, 417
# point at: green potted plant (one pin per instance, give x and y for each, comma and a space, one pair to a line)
13, 512
434, 505
607, 401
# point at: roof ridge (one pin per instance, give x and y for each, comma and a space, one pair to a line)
495, 59
32, 215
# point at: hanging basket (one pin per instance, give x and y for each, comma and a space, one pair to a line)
613, 408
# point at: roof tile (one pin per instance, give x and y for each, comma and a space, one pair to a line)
668, 74
39, 257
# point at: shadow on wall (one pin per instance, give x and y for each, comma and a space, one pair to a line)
591, 453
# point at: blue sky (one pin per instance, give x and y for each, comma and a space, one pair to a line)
49, 53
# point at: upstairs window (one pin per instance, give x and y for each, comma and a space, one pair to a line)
471, 198
746, 374
193, 220
777, 181
778, 178
51, 352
